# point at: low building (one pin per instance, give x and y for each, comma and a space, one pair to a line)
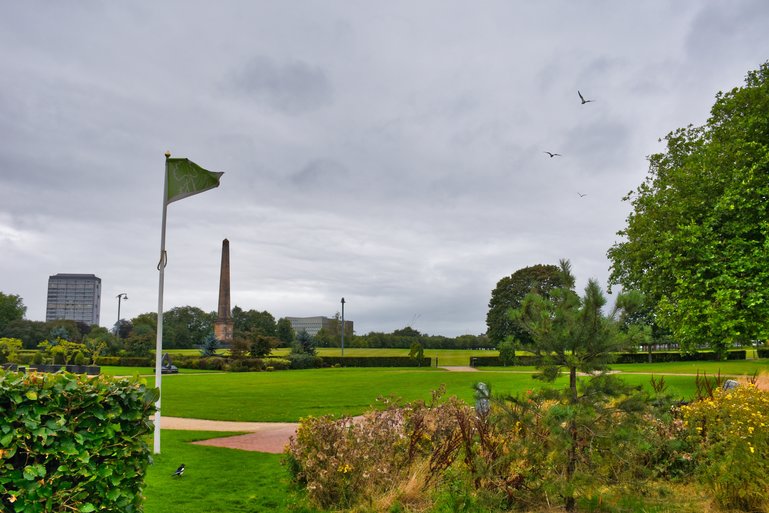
312, 325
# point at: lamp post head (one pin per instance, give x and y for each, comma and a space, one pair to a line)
342, 300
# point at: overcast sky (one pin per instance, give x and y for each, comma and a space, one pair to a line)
391, 153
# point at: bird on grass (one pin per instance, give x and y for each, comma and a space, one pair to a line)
584, 101
553, 154
179, 471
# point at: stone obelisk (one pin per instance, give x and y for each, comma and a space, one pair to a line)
224, 324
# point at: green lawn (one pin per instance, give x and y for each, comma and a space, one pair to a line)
446, 357
287, 396
215, 479
143, 371
731, 367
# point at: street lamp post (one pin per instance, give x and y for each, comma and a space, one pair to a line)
342, 326
120, 297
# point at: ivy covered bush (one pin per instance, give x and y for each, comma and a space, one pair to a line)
70, 443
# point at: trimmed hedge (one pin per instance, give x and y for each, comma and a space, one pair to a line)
494, 361
125, 361
70, 443
677, 357
762, 352
375, 361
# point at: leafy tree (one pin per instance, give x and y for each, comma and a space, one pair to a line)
253, 321
284, 331
11, 309
696, 240
408, 331
509, 293
140, 343
149, 319
238, 347
8, 349
186, 326
507, 352
124, 328
261, 346
31, 333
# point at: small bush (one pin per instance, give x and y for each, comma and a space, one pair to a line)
107, 361
305, 361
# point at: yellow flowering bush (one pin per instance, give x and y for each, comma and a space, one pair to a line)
731, 431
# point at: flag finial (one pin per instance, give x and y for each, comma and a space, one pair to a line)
168, 154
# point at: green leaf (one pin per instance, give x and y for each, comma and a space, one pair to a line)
31, 395
87, 508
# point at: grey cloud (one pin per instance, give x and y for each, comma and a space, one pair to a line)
292, 87
320, 174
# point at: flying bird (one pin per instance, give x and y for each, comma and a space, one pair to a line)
179, 471
553, 154
582, 195
584, 101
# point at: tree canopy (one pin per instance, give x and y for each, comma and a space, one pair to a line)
696, 242
11, 309
508, 295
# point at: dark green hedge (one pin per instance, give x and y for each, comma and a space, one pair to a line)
375, 361
125, 361
677, 357
494, 361
763, 352
70, 443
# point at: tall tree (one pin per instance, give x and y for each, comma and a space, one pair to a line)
696, 240
572, 333
284, 331
508, 295
11, 309
186, 326
253, 321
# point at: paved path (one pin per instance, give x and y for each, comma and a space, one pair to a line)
263, 436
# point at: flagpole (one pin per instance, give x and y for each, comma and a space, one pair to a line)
159, 338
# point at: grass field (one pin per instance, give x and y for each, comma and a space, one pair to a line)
446, 357
287, 396
215, 479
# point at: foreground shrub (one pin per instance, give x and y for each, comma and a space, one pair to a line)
731, 431
69, 443
514, 455
384, 456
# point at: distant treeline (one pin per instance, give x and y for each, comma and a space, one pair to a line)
406, 337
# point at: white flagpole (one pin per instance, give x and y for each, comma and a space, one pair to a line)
159, 339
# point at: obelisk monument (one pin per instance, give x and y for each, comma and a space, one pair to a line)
223, 326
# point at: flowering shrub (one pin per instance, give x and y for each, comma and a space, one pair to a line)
380, 454
731, 431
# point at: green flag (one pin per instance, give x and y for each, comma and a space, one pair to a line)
185, 178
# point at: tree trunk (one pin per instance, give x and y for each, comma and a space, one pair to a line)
571, 463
